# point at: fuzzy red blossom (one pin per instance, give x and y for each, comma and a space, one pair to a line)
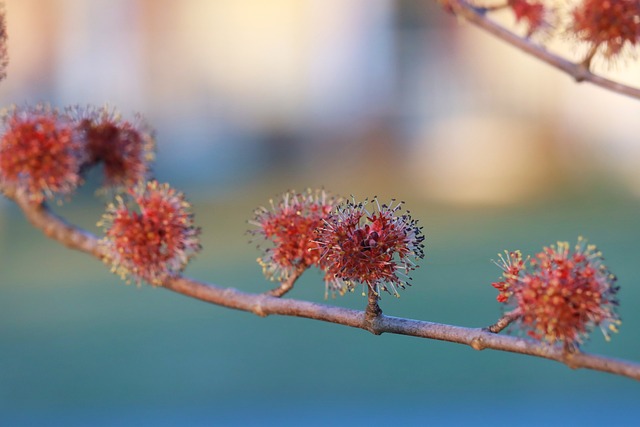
532, 13
125, 148
607, 25
376, 249
153, 241
290, 225
562, 294
39, 152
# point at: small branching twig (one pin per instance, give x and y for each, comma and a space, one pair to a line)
504, 321
371, 320
287, 284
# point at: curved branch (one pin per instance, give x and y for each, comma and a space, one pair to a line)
263, 305
579, 71
287, 284
52, 225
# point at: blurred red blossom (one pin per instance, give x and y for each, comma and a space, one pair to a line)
561, 295
155, 240
607, 25
532, 13
125, 148
39, 152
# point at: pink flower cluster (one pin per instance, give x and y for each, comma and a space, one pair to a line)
125, 148
350, 244
290, 225
45, 152
376, 248
560, 294
40, 152
153, 241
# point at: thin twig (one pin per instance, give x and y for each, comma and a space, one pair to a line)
370, 320
504, 321
287, 285
579, 71
373, 311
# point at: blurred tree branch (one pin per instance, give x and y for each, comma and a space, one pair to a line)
372, 320
579, 71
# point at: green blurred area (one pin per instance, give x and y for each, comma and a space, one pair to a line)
78, 346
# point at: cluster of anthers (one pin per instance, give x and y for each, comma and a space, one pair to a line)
347, 242
560, 294
45, 154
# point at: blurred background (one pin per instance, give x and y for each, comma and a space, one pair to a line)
491, 149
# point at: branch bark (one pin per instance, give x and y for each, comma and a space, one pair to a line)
579, 71
371, 320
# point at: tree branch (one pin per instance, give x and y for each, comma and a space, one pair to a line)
579, 71
371, 320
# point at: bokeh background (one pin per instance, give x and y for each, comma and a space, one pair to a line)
491, 149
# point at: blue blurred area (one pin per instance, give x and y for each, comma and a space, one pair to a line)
490, 149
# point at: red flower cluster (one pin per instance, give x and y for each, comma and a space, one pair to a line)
40, 152
348, 243
125, 148
291, 225
45, 152
372, 248
531, 13
610, 24
563, 295
155, 241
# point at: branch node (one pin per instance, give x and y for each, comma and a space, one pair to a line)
477, 343
582, 72
568, 357
258, 310
583, 69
